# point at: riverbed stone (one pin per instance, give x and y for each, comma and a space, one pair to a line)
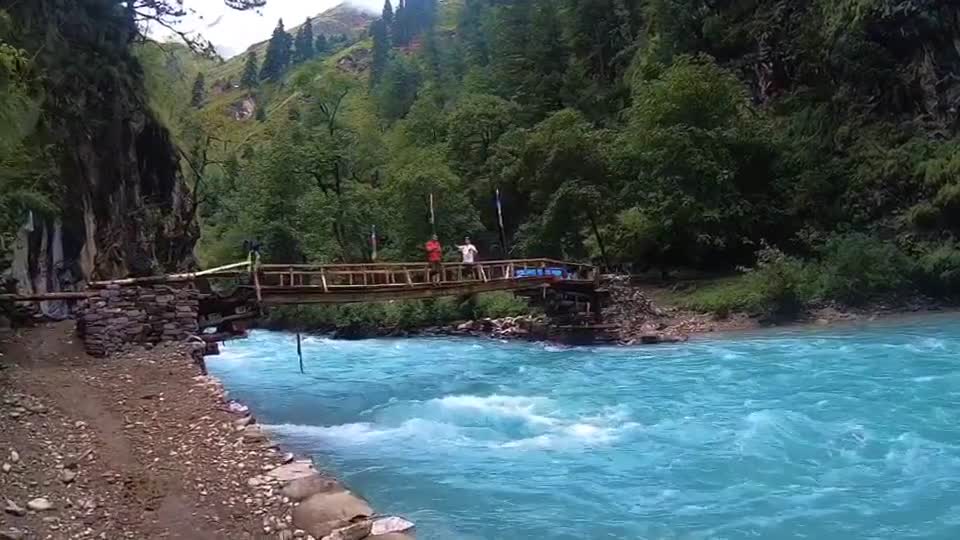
292, 471
390, 524
253, 434
354, 531
323, 513
40, 504
307, 486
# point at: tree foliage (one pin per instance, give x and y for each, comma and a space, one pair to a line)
278, 54
250, 78
303, 45
655, 133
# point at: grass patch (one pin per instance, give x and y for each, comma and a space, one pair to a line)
722, 296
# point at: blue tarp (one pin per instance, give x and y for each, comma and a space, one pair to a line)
540, 272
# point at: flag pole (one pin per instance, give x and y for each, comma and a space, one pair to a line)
503, 234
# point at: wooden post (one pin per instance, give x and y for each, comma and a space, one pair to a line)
256, 286
299, 352
323, 280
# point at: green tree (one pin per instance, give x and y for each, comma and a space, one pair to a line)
381, 50
304, 43
700, 162
321, 45
398, 89
278, 54
199, 91
250, 79
387, 13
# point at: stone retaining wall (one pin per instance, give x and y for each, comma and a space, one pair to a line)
117, 317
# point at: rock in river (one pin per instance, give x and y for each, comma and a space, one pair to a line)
322, 513
306, 487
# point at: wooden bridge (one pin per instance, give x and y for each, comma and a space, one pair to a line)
240, 291
276, 284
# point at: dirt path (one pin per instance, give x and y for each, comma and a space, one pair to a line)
136, 446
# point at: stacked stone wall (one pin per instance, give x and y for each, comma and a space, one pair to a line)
118, 317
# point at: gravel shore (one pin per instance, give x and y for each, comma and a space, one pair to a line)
139, 446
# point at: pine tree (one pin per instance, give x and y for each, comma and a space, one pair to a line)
381, 50
321, 46
399, 32
387, 14
278, 54
250, 79
303, 46
199, 90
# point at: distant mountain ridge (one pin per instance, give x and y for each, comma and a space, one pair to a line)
340, 19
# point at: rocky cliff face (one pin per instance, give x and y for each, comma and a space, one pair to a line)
125, 209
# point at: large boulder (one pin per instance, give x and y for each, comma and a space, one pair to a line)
322, 513
308, 486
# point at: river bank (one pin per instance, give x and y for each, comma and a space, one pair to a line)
142, 446
636, 315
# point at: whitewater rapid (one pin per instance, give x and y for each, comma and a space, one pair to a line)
849, 433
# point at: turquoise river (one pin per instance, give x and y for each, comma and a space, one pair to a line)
845, 433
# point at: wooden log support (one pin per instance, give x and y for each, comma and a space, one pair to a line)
44, 297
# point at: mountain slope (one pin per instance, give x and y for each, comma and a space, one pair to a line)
342, 19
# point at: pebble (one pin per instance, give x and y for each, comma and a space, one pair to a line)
14, 509
14, 456
40, 504
12, 534
67, 476
6, 467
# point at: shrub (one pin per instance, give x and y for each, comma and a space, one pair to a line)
779, 286
856, 267
938, 271
784, 283
401, 315
497, 305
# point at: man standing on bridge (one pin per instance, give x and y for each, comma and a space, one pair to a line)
469, 253
435, 258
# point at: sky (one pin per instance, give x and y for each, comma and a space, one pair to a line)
233, 31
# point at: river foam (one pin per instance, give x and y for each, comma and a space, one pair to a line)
829, 435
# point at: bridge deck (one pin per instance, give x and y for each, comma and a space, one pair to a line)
352, 283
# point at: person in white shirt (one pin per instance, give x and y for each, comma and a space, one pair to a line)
469, 253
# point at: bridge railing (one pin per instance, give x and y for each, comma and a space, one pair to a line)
347, 276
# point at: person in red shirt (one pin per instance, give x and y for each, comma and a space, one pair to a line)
435, 258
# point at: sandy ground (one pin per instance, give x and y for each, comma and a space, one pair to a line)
136, 446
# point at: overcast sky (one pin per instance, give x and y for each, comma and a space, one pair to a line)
233, 31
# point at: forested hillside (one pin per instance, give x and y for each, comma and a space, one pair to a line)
813, 140
665, 133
